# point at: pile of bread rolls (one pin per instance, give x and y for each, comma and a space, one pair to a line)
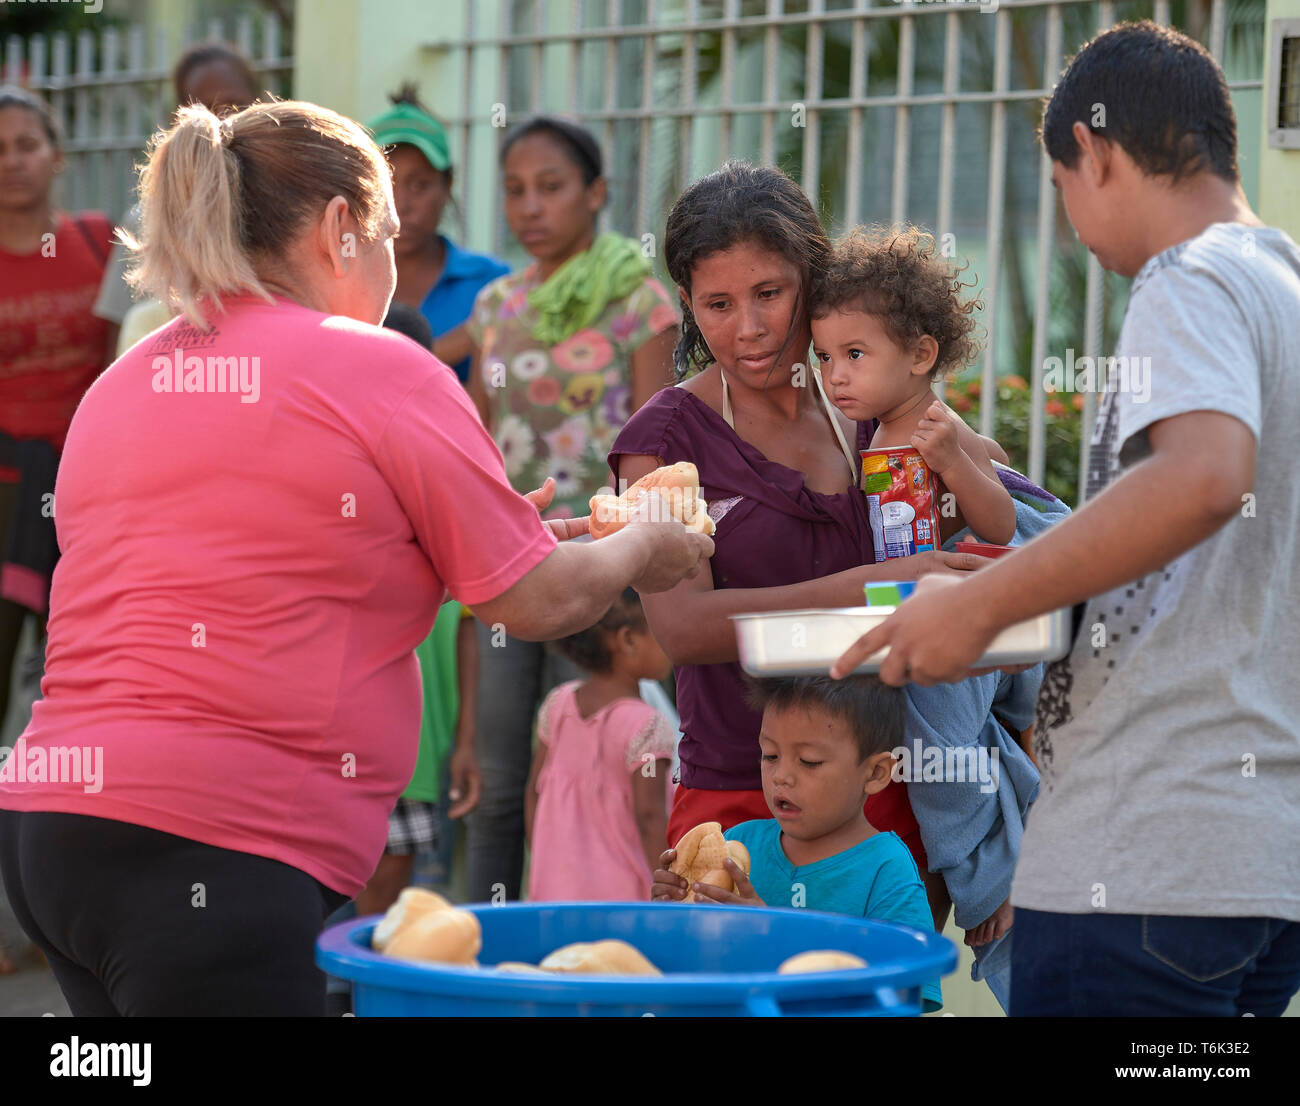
423, 926
678, 487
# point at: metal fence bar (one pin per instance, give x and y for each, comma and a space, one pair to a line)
690, 61
575, 61
81, 101
1218, 29
537, 60
726, 79
462, 132
997, 189
948, 138
857, 90
13, 60
771, 74
903, 118
503, 84
244, 34
612, 14
107, 162
647, 97
812, 116
1042, 303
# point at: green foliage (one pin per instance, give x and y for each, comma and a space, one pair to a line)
1064, 420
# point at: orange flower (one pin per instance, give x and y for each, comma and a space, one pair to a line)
973, 389
1017, 382
1055, 408
961, 403
1077, 401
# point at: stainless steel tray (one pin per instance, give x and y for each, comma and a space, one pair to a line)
808, 642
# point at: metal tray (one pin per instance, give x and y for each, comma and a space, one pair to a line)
808, 642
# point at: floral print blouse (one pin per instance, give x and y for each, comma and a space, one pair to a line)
557, 411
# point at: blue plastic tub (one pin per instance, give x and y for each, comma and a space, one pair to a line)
731, 953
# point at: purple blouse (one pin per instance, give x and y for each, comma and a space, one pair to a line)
771, 531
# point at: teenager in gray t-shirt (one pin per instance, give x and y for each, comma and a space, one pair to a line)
1169, 738
1160, 867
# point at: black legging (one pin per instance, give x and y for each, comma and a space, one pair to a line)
115, 908
12, 615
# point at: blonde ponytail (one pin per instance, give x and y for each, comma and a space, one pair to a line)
221, 198
190, 216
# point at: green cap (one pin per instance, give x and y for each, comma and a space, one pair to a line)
406, 123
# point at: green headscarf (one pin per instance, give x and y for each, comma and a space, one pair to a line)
578, 291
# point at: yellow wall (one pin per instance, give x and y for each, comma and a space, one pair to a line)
349, 54
1279, 170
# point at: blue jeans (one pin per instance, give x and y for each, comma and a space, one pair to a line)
1149, 965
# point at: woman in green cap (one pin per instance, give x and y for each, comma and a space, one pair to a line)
434, 275
565, 351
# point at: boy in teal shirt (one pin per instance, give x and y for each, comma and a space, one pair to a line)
826, 745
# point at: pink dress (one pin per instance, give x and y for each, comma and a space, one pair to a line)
585, 841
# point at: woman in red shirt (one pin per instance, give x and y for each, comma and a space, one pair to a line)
51, 348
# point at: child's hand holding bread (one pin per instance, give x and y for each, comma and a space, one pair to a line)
704, 865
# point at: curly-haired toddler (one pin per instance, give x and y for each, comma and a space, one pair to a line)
888, 321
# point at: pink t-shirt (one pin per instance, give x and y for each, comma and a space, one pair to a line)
245, 575
586, 845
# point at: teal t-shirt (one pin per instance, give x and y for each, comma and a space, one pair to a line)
875, 879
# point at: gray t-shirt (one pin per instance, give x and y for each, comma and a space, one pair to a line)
115, 295
1169, 737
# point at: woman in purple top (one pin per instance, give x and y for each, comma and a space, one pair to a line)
778, 464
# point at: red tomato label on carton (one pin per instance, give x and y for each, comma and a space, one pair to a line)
901, 502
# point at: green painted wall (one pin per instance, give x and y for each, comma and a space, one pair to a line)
1279, 170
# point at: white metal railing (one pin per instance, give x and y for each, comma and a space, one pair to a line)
884, 111
111, 90
546, 61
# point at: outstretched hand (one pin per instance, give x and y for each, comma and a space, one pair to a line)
562, 528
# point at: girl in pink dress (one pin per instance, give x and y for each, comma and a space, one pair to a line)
597, 798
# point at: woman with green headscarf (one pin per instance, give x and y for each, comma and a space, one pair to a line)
565, 351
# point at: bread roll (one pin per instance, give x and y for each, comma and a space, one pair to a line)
412, 903
445, 936
599, 958
701, 855
821, 961
679, 489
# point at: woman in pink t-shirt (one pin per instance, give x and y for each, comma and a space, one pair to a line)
260, 509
